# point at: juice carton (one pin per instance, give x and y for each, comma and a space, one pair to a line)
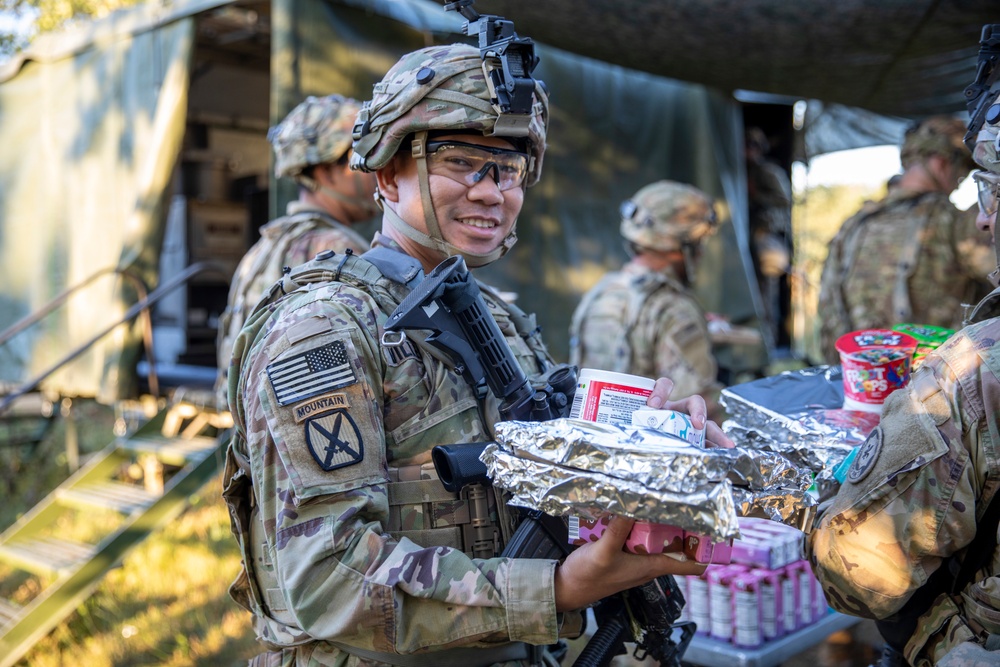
654, 538
747, 610
771, 621
789, 600
697, 601
700, 548
720, 600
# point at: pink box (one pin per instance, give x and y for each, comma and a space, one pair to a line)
747, 610
720, 600
644, 538
771, 621
789, 601
701, 549
757, 551
654, 538
787, 539
802, 580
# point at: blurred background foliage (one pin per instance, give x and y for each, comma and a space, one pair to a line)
23, 19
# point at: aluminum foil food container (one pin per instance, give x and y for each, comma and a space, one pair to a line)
799, 415
571, 466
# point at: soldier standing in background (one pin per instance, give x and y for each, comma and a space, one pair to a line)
312, 145
911, 257
643, 320
353, 551
911, 536
769, 196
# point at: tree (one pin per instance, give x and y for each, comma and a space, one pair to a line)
22, 20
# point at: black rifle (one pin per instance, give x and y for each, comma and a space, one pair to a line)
977, 94
449, 304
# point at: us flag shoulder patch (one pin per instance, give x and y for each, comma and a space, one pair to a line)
311, 373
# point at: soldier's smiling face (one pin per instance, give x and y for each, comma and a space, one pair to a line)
475, 218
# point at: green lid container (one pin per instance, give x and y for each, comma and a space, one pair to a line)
927, 336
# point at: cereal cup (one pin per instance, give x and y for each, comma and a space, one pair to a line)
875, 363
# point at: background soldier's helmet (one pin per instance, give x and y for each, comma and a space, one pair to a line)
668, 216
317, 131
937, 135
440, 88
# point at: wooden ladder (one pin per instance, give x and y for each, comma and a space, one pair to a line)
54, 556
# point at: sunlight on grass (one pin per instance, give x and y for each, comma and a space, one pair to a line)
167, 605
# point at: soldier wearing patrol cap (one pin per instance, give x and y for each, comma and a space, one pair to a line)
913, 256
643, 320
911, 536
312, 146
353, 551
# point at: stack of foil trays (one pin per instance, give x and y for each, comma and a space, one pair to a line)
570, 466
798, 414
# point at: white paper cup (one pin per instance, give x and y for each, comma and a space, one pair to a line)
609, 398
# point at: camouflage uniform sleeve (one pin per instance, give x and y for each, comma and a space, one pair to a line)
909, 498
313, 401
682, 348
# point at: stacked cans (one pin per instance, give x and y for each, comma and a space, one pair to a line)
765, 593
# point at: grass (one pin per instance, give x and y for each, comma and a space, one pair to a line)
168, 603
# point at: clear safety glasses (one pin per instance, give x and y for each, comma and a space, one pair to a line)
988, 185
471, 163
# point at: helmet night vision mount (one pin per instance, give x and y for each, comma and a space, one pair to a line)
977, 94
508, 61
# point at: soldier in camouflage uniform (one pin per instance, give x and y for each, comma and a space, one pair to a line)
643, 319
769, 196
913, 256
910, 513
312, 146
354, 553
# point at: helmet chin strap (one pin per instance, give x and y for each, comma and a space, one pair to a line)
434, 240
994, 277
688, 251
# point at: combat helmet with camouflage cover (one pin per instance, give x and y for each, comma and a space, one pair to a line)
937, 135
668, 216
441, 89
318, 131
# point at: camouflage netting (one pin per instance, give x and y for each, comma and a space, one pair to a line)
909, 59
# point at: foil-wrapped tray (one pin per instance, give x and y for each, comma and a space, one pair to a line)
571, 466
799, 415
